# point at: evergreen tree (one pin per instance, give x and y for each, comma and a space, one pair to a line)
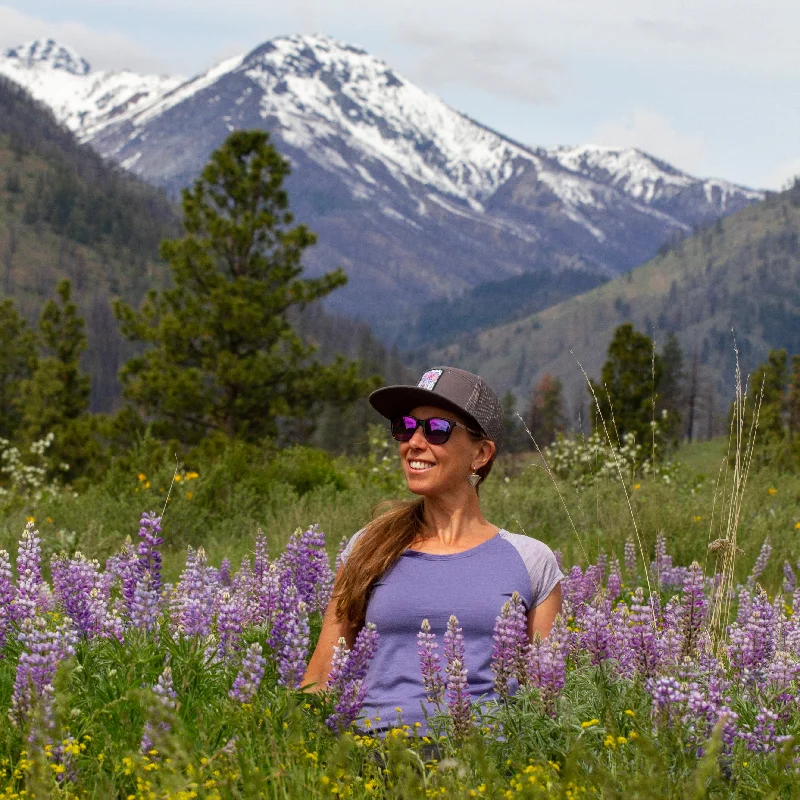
767, 386
547, 410
630, 381
56, 396
17, 363
794, 398
223, 356
671, 390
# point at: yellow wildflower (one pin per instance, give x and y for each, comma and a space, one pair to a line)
637, 486
629, 712
189, 495
772, 491
590, 723
697, 519
30, 519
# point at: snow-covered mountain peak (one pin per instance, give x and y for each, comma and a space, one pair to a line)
641, 175
49, 53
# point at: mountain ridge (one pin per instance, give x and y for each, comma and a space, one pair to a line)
402, 189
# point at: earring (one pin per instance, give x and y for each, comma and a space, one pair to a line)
474, 479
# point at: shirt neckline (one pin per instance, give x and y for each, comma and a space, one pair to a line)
470, 551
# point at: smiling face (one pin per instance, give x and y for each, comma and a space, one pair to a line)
433, 470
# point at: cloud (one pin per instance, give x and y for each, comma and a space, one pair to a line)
496, 64
676, 32
102, 49
654, 133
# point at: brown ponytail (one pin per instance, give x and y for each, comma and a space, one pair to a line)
378, 547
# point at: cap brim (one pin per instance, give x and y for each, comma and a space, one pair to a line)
393, 401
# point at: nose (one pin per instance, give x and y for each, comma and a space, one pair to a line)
418, 440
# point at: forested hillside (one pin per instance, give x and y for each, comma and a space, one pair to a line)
742, 274
66, 213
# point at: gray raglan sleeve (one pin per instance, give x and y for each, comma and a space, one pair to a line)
541, 564
350, 545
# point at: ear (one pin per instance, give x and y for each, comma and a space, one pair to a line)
483, 453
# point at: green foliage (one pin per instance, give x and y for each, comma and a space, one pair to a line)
17, 364
304, 469
628, 387
55, 398
223, 354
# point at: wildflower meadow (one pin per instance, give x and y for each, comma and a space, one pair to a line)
161, 654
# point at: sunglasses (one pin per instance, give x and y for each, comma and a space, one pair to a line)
436, 430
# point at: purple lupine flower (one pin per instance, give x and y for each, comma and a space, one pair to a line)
193, 602
572, 591
642, 635
783, 670
165, 693
225, 572
762, 737
693, 608
546, 663
339, 562
614, 582
596, 635
602, 566
261, 561
7, 595
509, 642
248, 679
760, 564
430, 665
268, 596
630, 559
125, 567
84, 594
305, 563
230, 622
347, 677
751, 645
294, 648
31, 596
145, 608
459, 701
148, 552
789, 578
43, 651
668, 697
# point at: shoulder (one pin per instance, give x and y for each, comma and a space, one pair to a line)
351, 545
540, 563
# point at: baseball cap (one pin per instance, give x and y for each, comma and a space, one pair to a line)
449, 388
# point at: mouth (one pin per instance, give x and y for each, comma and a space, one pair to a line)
420, 466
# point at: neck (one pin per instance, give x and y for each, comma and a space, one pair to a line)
452, 519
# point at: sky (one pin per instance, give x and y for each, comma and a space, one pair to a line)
710, 86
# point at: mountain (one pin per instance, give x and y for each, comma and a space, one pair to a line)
415, 200
739, 278
67, 213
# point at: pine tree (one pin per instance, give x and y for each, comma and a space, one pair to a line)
547, 418
17, 363
56, 396
513, 433
630, 381
223, 356
794, 398
767, 387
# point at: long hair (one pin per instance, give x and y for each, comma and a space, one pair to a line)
380, 544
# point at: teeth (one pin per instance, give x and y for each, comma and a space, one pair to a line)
419, 465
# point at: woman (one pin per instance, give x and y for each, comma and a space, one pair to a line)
437, 555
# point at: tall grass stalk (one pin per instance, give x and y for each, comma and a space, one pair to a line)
727, 546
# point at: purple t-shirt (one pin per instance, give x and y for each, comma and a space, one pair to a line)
473, 585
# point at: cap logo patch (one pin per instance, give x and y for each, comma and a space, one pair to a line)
430, 379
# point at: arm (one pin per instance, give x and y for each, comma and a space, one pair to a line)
316, 677
541, 618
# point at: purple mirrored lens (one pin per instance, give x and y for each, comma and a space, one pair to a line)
403, 428
437, 431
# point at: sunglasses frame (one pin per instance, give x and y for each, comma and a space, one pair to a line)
424, 423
